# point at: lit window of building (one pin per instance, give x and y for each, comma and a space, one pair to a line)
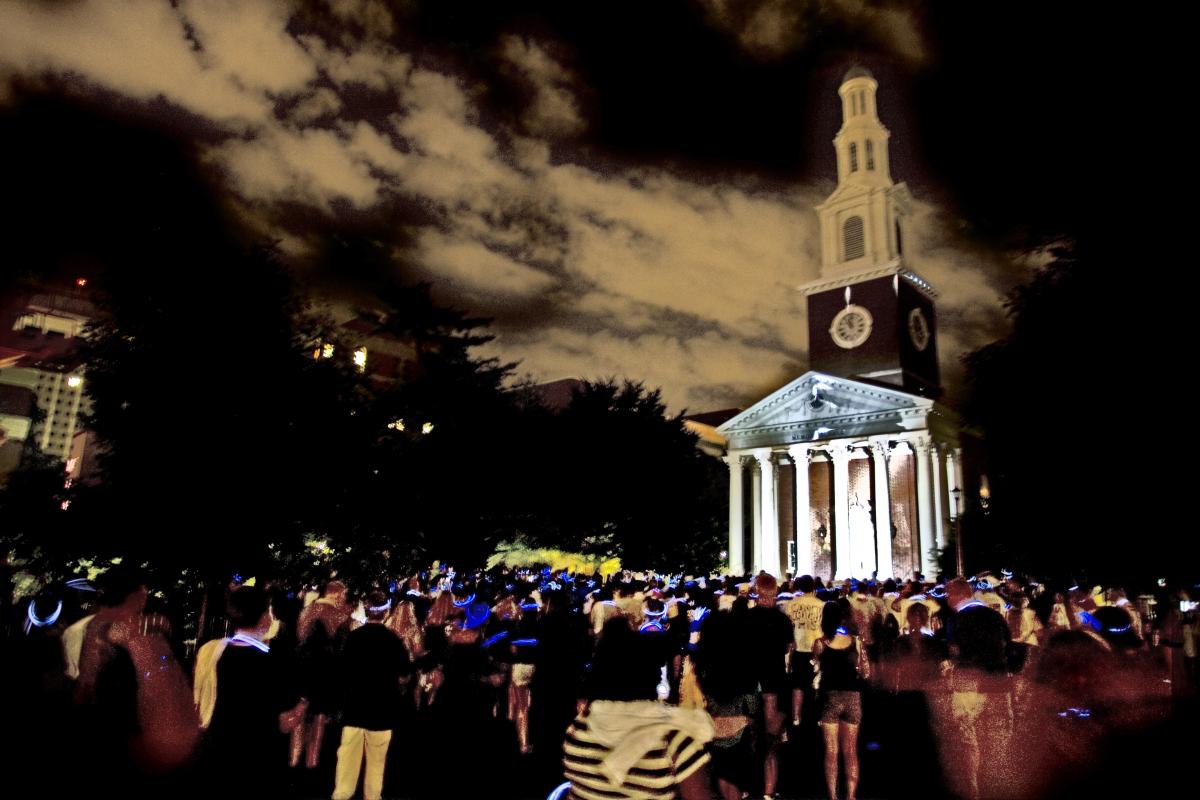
360, 359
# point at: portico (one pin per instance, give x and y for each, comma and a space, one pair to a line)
857, 476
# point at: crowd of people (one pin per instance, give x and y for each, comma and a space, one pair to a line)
510, 682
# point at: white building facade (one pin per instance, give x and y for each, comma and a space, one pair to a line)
851, 470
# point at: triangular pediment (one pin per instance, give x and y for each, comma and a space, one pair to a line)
817, 406
845, 192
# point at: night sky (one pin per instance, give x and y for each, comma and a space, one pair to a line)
625, 187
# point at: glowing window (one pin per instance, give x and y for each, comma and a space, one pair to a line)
853, 157
360, 359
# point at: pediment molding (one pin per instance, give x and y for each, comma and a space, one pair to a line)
817, 406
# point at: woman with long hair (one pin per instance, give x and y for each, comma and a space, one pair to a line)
841, 668
403, 622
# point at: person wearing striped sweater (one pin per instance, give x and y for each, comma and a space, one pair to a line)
626, 745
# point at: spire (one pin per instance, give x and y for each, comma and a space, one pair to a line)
862, 221
862, 141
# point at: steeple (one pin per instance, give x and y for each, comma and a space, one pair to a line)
870, 316
862, 222
862, 141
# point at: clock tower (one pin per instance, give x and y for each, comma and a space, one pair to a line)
869, 315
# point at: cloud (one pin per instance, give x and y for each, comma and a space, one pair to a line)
772, 29
378, 67
323, 102
681, 280
475, 269
138, 48
313, 166
372, 15
553, 111
249, 43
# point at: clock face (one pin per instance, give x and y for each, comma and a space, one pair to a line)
918, 329
851, 327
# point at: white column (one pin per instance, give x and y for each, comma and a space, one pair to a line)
737, 564
883, 512
804, 544
842, 565
755, 521
921, 448
954, 479
935, 465
769, 549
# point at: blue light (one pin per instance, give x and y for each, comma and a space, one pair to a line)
37, 621
491, 640
841, 631
1076, 713
242, 638
470, 599
524, 642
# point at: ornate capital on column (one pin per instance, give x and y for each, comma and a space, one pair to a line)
763, 456
734, 460
921, 445
840, 453
800, 453
881, 449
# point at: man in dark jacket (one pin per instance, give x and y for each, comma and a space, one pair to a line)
375, 665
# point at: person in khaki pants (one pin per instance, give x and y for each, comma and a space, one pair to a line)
375, 667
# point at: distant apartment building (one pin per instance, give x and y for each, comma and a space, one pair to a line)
43, 392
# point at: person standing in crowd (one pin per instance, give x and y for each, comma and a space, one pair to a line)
770, 640
979, 728
374, 669
563, 648
132, 692
841, 669
321, 632
256, 702
627, 745
804, 610
731, 697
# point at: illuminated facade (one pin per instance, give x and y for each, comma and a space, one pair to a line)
850, 469
43, 390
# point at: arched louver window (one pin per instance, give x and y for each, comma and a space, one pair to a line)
870, 154
853, 240
853, 157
